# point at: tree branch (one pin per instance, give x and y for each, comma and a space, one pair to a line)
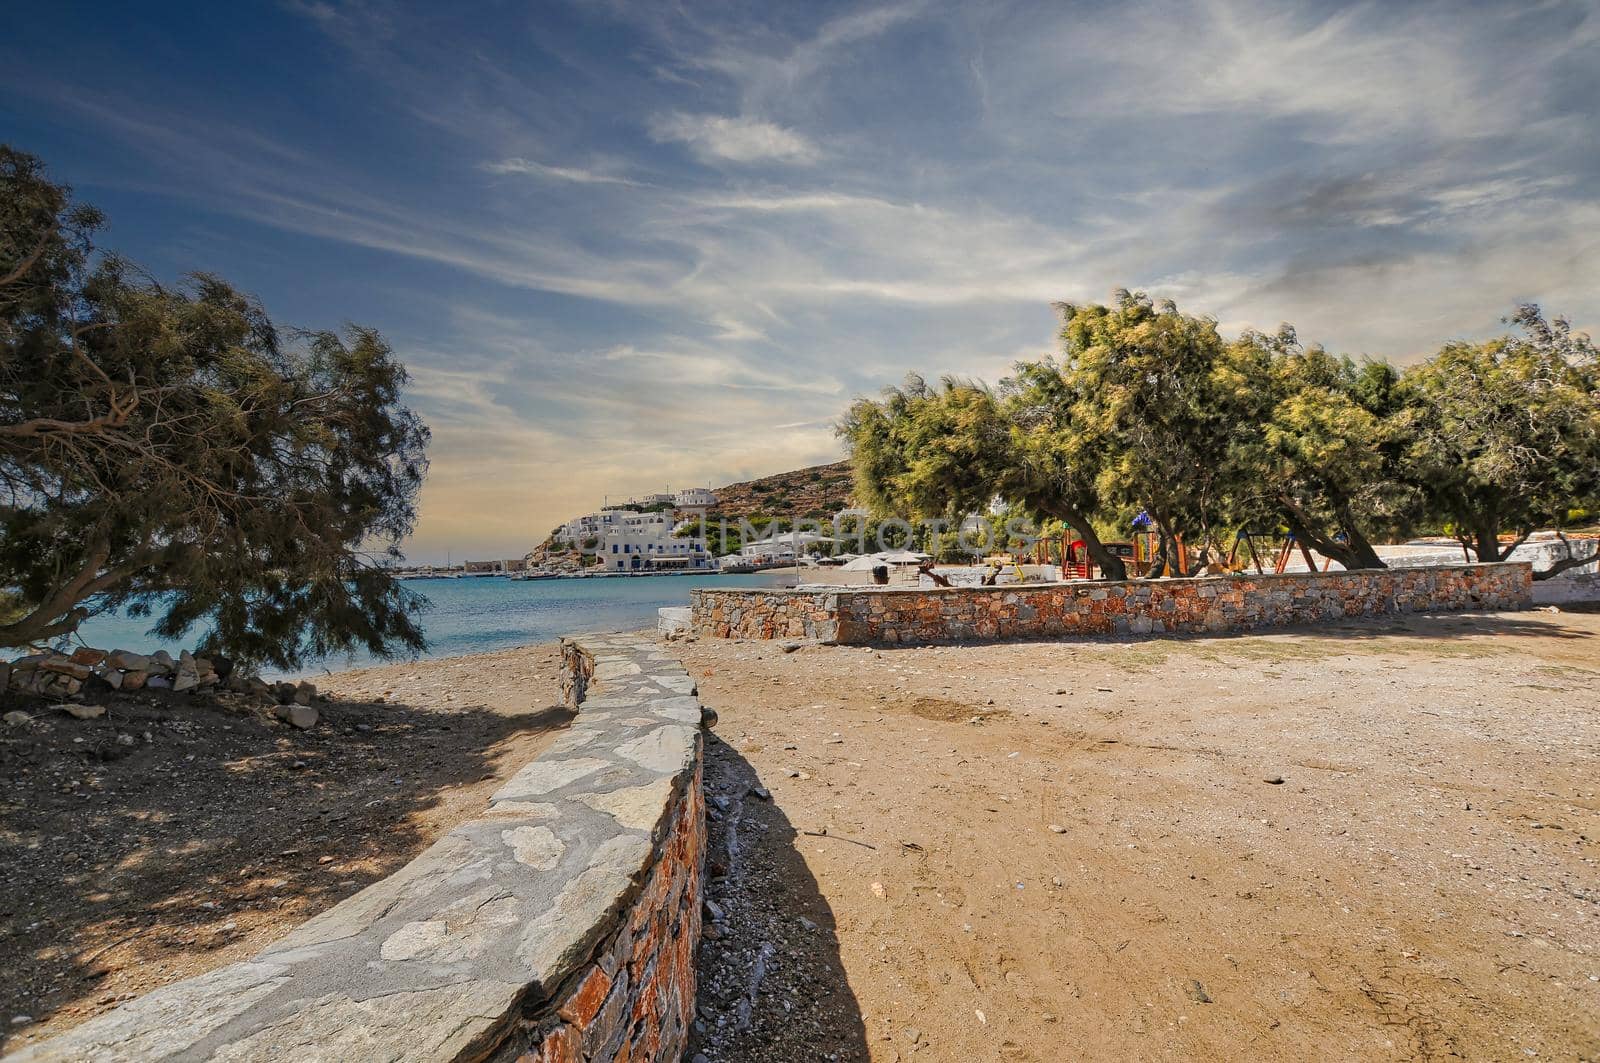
26, 264
1568, 562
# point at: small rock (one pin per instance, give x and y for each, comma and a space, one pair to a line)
1056, 828
84, 712
301, 716
1273, 780
21, 1020
708, 716
912, 1034
878, 891
714, 911
1196, 992
16, 718
790, 647
761, 792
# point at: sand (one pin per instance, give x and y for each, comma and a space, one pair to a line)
1374, 842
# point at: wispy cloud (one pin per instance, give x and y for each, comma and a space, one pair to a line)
575, 174
630, 243
715, 138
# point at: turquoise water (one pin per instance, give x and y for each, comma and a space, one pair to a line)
491, 613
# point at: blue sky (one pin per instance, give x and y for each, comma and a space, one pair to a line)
628, 245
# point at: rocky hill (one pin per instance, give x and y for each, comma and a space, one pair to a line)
818, 492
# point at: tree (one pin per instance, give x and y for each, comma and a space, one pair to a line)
1317, 442
169, 450
947, 451
1140, 379
1507, 433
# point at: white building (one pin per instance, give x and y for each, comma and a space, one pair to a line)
593, 527
780, 546
643, 542
695, 498
660, 498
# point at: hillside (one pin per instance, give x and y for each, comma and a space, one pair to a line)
818, 492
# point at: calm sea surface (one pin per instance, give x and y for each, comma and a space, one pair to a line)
476, 615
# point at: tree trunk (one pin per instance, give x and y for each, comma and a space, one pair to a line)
1326, 545
1164, 563
1363, 553
1111, 566
1360, 549
1486, 542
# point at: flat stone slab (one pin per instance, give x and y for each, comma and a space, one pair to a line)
440, 959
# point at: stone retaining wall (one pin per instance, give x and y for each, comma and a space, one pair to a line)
1569, 587
1126, 607
560, 925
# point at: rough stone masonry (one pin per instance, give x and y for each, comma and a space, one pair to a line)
559, 925
1103, 607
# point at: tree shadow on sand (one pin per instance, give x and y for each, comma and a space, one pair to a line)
175, 834
772, 986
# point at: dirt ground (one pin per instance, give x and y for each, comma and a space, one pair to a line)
176, 834
1373, 841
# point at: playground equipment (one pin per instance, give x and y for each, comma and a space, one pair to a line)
1076, 564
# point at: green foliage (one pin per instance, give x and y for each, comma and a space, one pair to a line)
170, 448
947, 451
1148, 409
1141, 380
1506, 434
1315, 442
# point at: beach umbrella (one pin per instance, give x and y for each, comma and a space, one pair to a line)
868, 562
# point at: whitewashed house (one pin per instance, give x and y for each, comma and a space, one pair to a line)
644, 542
695, 498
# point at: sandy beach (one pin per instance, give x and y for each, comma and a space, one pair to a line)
1372, 841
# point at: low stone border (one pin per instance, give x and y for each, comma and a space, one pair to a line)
874, 615
560, 925
1568, 588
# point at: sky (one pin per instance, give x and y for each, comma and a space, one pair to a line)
629, 246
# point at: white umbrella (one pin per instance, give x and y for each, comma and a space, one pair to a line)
868, 562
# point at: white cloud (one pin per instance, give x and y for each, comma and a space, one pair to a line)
903, 186
714, 137
576, 175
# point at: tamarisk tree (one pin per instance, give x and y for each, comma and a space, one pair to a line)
948, 450
170, 451
1507, 435
1316, 443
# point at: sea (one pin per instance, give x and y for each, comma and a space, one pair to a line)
484, 613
